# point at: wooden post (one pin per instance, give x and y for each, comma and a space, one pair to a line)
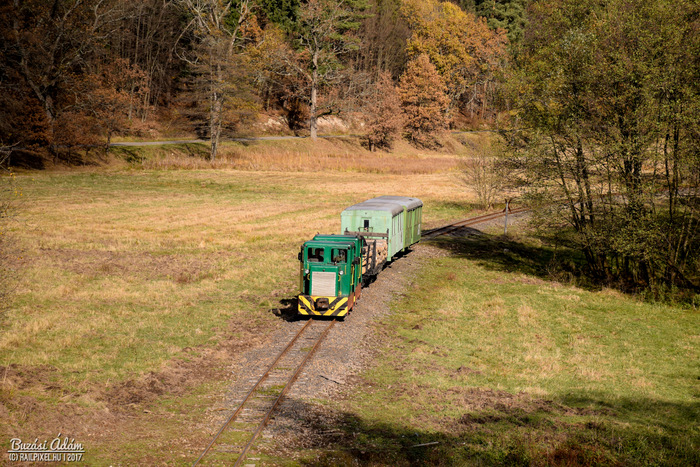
505, 228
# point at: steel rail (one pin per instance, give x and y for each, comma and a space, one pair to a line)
291, 381
250, 393
445, 228
495, 215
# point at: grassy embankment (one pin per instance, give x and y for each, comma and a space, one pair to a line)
140, 284
488, 362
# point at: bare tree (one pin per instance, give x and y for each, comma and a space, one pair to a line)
324, 35
383, 36
484, 174
150, 31
218, 27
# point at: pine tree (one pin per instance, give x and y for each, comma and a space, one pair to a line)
505, 14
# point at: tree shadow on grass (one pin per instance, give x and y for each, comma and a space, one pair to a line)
451, 206
509, 429
508, 254
27, 160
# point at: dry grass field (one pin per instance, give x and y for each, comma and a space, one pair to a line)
139, 281
303, 155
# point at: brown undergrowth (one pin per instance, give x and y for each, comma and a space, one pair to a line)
341, 155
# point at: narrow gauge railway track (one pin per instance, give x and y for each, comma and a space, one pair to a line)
253, 413
446, 229
255, 410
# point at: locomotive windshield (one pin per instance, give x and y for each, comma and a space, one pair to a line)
339, 256
315, 255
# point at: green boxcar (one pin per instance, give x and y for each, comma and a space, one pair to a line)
412, 217
396, 218
330, 276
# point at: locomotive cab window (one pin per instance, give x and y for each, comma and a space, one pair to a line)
315, 255
339, 256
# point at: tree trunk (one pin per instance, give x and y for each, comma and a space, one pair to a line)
217, 104
215, 125
314, 97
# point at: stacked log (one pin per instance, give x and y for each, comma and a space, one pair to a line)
374, 255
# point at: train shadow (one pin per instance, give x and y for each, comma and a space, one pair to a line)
287, 309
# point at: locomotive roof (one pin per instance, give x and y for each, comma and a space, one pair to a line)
336, 238
392, 204
342, 240
325, 241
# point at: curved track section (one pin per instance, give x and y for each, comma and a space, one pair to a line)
244, 425
432, 233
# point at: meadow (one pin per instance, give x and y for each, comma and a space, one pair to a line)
489, 361
139, 281
142, 279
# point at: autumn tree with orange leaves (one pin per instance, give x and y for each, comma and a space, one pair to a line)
48, 51
386, 118
464, 51
424, 101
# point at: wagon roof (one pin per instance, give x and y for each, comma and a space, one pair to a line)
377, 205
410, 203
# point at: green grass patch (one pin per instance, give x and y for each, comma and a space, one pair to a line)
272, 390
489, 362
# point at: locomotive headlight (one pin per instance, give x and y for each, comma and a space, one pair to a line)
341, 272
306, 271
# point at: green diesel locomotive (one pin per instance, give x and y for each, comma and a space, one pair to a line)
334, 267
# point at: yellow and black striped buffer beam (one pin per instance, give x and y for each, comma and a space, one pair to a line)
337, 306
